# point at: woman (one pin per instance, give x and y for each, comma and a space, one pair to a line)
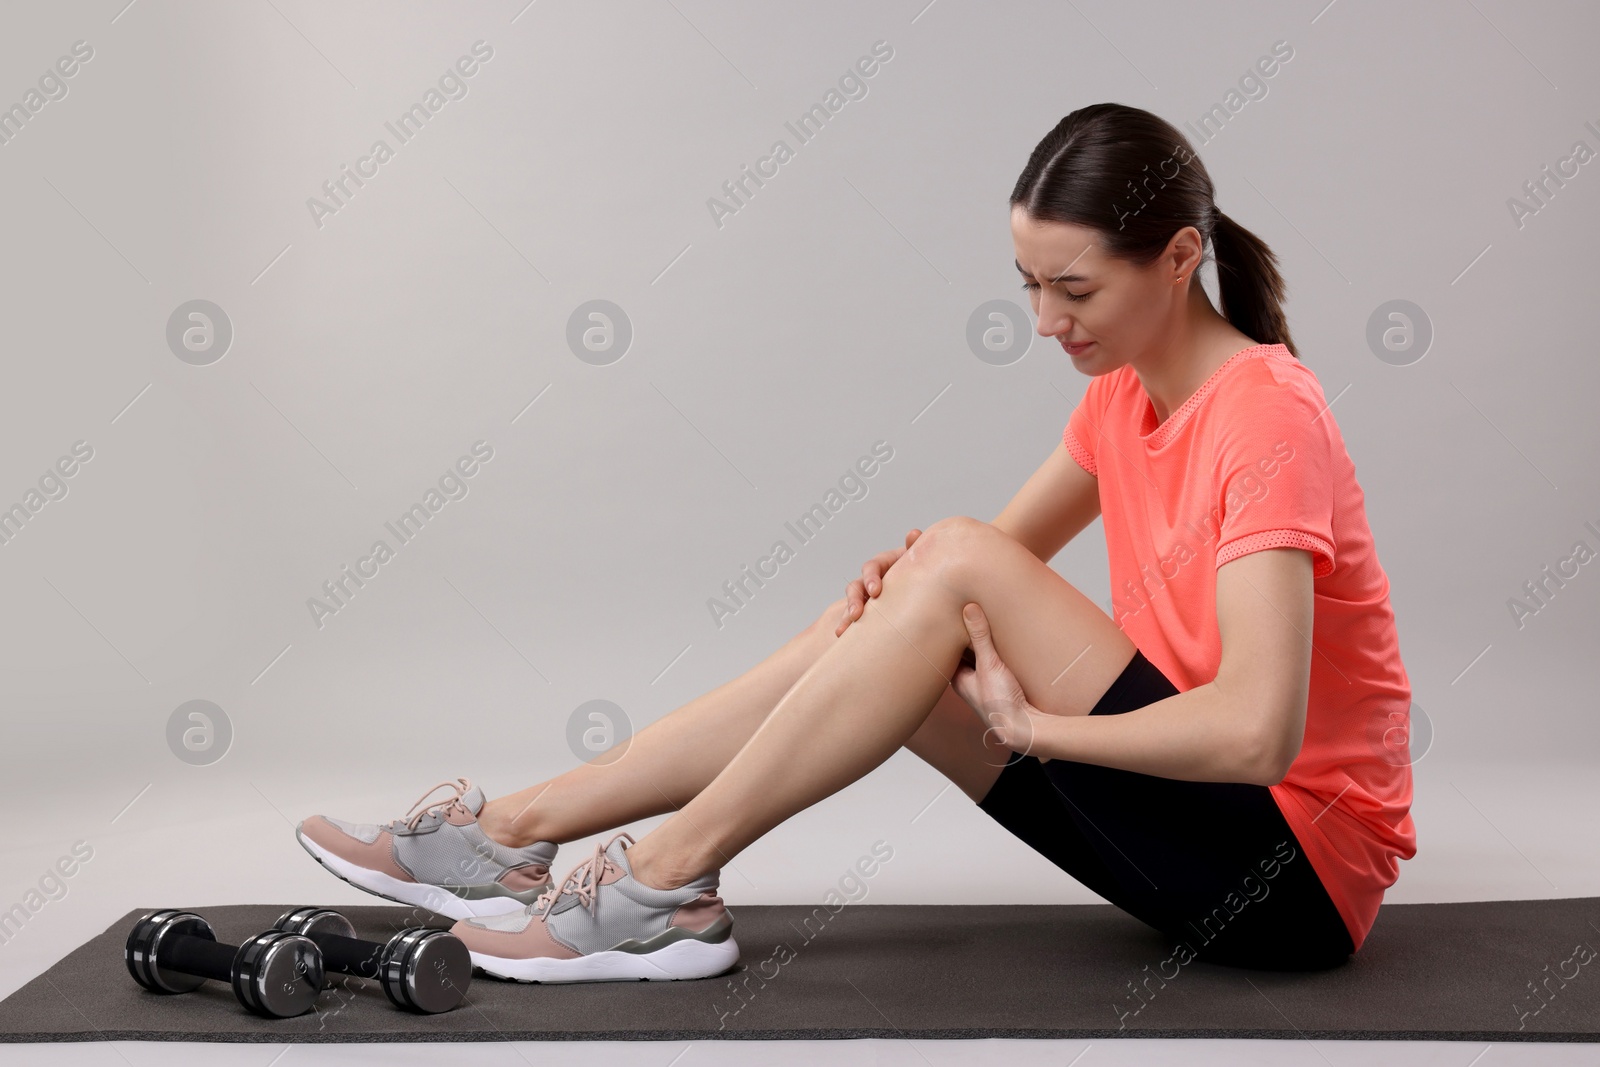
1224, 759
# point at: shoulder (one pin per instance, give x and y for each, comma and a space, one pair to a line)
1273, 405
1273, 386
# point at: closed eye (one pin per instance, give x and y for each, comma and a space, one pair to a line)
1032, 286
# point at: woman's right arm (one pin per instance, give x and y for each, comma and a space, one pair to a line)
1055, 504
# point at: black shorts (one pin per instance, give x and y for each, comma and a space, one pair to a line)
1211, 864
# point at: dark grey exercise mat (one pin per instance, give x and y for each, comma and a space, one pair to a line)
1490, 971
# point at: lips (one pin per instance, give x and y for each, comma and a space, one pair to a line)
1076, 349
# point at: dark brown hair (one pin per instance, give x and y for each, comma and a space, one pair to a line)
1133, 177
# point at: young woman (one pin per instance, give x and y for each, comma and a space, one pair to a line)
1224, 757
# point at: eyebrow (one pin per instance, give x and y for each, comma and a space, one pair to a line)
1058, 278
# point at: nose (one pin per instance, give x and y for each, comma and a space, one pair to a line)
1053, 319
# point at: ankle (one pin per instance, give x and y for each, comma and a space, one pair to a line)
500, 826
656, 875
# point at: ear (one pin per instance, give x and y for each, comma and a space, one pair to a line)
1183, 255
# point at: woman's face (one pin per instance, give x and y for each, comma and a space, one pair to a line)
1080, 295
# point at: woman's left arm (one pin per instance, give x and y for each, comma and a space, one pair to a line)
1246, 725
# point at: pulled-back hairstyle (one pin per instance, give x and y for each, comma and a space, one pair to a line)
1134, 178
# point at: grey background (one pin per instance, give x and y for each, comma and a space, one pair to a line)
767, 357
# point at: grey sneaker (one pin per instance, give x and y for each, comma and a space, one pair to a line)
434, 856
601, 924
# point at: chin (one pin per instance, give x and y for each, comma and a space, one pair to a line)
1099, 357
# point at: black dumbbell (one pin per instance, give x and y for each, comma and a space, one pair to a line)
422, 968
275, 974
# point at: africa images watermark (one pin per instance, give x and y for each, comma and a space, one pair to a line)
851, 86
1253, 889
52, 486
804, 528
1539, 591
1244, 489
1141, 195
343, 989
452, 85
1254, 87
52, 885
52, 86
452, 485
1538, 190
1582, 953
851, 889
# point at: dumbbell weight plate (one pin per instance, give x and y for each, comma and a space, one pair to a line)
439, 970
143, 949
314, 921
279, 974
427, 970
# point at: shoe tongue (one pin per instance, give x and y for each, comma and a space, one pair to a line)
616, 854
473, 800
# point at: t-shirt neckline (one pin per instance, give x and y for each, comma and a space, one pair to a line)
1155, 436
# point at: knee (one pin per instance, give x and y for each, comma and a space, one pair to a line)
948, 544
944, 545
950, 534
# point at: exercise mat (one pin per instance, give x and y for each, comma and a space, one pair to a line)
1510, 970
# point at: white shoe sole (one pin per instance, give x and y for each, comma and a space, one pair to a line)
679, 960
423, 895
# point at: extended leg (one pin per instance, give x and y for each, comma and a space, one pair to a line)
872, 690
670, 761
660, 768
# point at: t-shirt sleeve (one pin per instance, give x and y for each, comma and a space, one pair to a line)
1274, 476
1082, 434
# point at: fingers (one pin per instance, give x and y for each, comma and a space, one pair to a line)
870, 584
873, 570
964, 682
911, 539
872, 574
977, 629
854, 596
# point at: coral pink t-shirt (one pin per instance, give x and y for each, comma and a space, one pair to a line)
1254, 460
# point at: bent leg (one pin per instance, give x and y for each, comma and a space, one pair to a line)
872, 690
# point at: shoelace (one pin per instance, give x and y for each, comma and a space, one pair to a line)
584, 879
414, 816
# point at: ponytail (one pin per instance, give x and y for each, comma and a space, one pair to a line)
1249, 286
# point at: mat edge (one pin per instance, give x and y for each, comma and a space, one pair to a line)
834, 1034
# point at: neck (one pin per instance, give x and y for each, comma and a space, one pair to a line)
1199, 342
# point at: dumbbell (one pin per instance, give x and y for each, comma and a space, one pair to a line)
275, 974
422, 969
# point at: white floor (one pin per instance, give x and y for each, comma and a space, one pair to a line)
1485, 832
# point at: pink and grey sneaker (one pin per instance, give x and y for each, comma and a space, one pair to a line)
435, 856
601, 924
